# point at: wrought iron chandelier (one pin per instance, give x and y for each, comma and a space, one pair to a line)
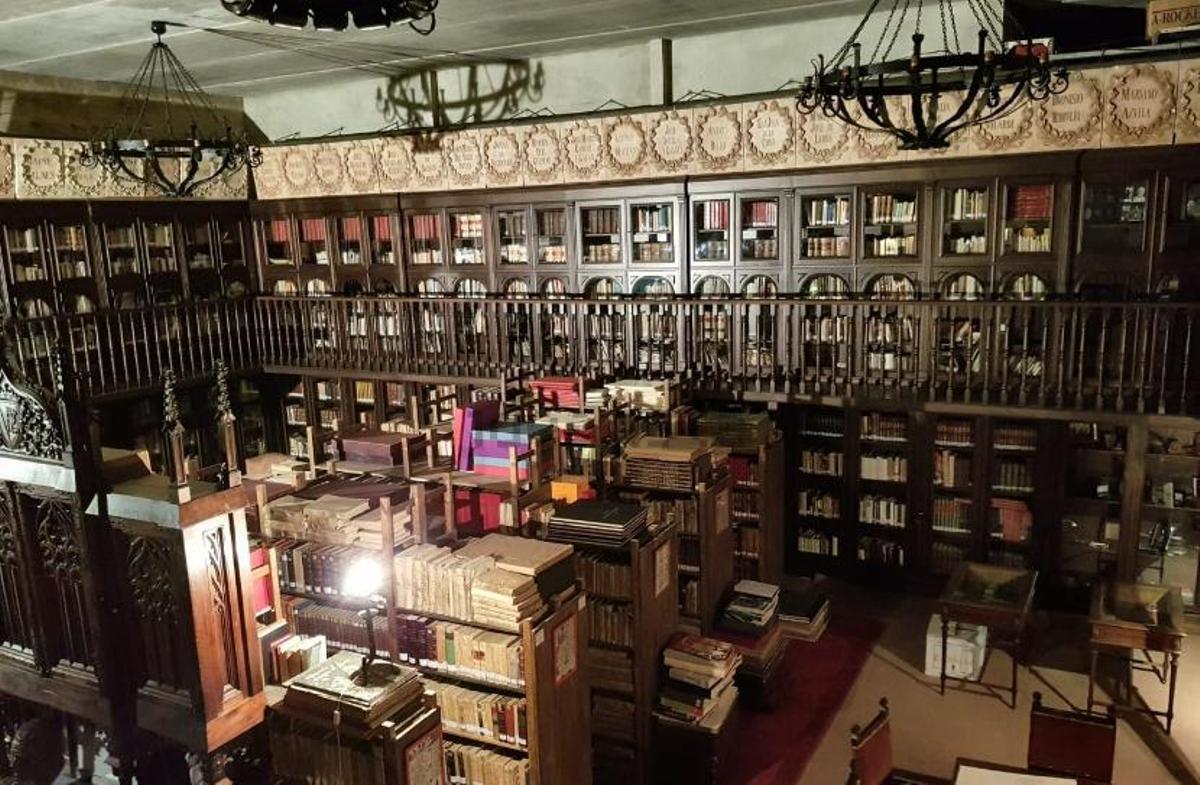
337, 14
197, 147
925, 98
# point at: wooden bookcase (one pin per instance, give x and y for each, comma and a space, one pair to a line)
817, 533
757, 513
625, 755
555, 689
706, 544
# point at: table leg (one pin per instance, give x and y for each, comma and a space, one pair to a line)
1092, 679
1016, 650
1171, 690
945, 632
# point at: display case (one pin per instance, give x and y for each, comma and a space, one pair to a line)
965, 229
825, 226
1029, 225
468, 237
762, 229
652, 233
1115, 217
711, 230
890, 222
74, 274
601, 229
552, 240
512, 236
426, 246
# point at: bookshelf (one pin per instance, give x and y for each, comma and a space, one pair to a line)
652, 233
761, 231
601, 231
1012, 484
552, 659
1028, 219
1114, 217
954, 481
817, 538
825, 226
712, 229
757, 510
890, 228
966, 214
512, 236
883, 527
467, 237
632, 592
552, 238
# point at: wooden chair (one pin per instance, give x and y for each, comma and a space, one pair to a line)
1077, 744
871, 755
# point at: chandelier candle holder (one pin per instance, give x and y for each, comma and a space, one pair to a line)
924, 99
336, 14
197, 145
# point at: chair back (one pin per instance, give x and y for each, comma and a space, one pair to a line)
1077, 744
871, 749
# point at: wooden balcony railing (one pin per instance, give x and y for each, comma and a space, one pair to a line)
121, 351
1133, 357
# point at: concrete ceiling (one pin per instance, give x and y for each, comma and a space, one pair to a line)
106, 39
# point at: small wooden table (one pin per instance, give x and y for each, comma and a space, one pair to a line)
1130, 617
974, 772
999, 598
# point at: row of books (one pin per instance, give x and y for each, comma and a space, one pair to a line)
882, 510
760, 248
461, 650
1015, 436
761, 213
611, 669
467, 225
824, 424
1013, 476
1028, 239
829, 212
601, 220
654, 251
614, 717
329, 519
1030, 202
603, 577
689, 595
826, 462
826, 247
819, 504
611, 623
746, 540
711, 250
467, 764
552, 223
886, 208
813, 541
957, 432
656, 218
951, 469
291, 655
1011, 520
487, 715
902, 245
601, 253
893, 468
968, 204
951, 514
315, 568
967, 244
883, 427
712, 215
880, 551
464, 586
342, 628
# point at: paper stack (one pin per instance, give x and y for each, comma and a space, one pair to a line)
752, 609
590, 522
330, 686
804, 614
502, 598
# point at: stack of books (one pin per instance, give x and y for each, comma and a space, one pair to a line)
804, 613
699, 682
751, 610
641, 394
738, 430
331, 686
601, 523
559, 392
292, 655
677, 463
501, 598
749, 624
491, 448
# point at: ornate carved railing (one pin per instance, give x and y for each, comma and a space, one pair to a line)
1075, 355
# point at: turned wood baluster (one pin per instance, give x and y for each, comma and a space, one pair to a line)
1081, 353
1102, 358
1164, 356
1185, 370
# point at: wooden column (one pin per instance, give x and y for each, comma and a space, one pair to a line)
1132, 484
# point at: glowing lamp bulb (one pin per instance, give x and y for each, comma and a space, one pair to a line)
364, 579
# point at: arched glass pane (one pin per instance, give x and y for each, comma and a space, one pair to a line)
826, 286
602, 287
1025, 286
759, 286
712, 286
892, 286
963, 286
516, 287
653, 285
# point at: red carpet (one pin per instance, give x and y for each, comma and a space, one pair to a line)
773, 748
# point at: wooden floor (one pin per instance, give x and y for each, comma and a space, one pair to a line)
931, 730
